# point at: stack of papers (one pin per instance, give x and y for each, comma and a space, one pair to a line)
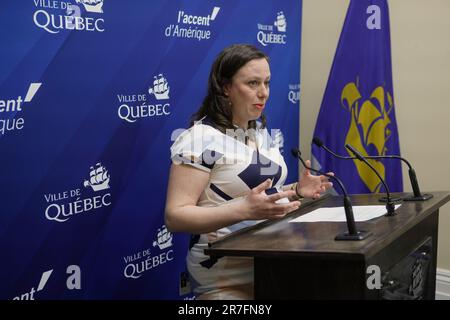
337, 214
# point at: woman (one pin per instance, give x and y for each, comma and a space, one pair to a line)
227, 172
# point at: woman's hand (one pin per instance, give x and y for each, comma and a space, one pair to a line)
182, 214
258, 205
310, 186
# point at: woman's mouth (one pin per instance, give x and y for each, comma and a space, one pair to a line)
259, 106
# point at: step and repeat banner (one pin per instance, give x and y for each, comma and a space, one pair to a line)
92, 93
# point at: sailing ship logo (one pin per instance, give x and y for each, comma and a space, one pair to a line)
164, 238
92, 5
281, 22
370, 128
99, 178
160, 88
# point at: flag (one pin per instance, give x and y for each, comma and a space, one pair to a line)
358, 104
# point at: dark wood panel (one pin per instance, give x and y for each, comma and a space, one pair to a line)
291, 278
303, 261
273, 238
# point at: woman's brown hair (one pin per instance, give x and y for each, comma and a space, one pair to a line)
216, 105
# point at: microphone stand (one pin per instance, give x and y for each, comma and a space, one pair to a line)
390, 204
353, 233
416, 196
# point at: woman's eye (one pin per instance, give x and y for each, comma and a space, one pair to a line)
253, 83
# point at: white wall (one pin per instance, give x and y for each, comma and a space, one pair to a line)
420, 35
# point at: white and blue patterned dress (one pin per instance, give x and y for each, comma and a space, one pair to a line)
234, 169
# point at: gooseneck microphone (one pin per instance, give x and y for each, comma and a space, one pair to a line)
416, 196
353, 233
390, 205
320, 144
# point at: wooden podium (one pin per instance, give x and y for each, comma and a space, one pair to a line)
303, 261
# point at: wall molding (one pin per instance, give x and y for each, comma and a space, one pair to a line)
442, 284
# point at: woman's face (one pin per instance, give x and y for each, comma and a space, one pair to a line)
249, 91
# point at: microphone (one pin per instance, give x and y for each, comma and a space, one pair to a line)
390, 205
353, 233
416, 196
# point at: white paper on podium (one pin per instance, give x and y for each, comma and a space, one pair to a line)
337, 214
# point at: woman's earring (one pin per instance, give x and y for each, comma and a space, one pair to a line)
228, 98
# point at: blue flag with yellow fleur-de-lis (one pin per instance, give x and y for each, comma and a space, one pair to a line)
358, 104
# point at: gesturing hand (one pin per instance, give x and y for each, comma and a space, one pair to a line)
312, 186
258, 205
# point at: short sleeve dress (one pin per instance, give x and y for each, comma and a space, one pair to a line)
234, 169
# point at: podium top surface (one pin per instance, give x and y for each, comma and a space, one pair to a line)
273, 238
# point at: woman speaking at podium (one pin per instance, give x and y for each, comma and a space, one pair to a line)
228, 173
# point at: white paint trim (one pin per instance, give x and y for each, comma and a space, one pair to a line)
442, 284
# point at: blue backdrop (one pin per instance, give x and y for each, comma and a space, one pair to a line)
91, 92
